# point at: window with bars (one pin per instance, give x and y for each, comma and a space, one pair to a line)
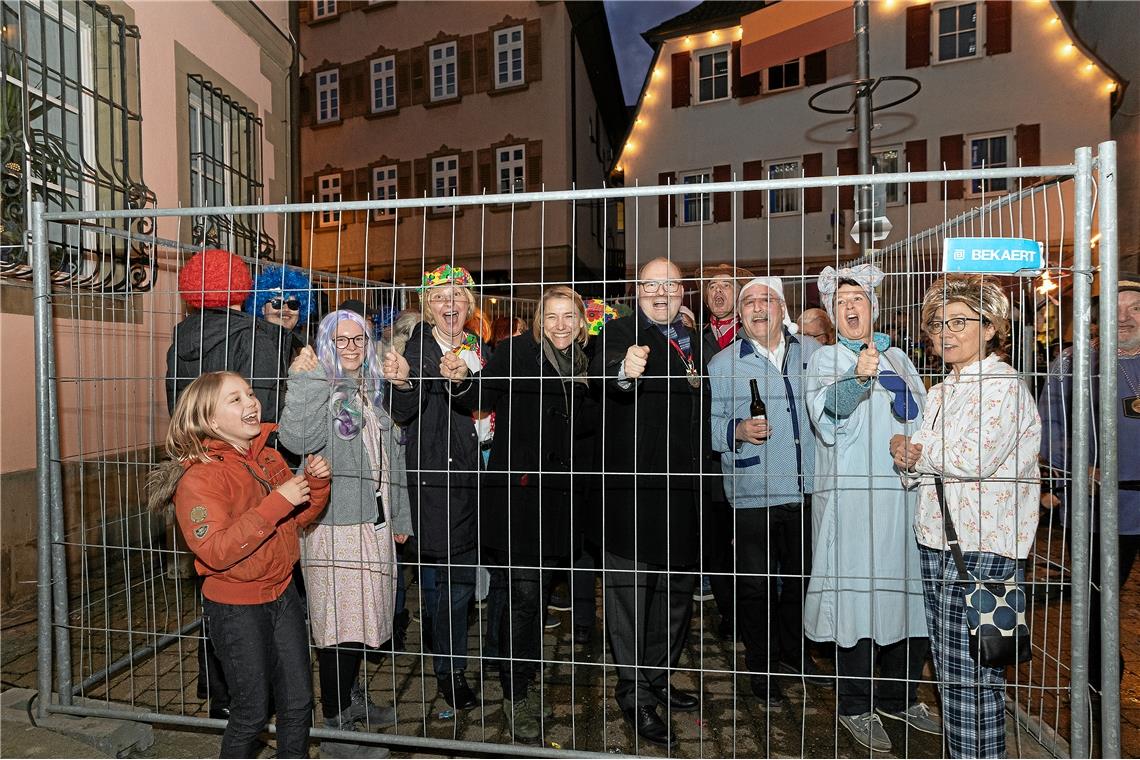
956, 29
328, 191
383, 84
225, 158
696, 208
72, 130
712, 75
511, 164
783, 201
509, 57
444, 178
384, 189
444, 83
989, 151
328, 96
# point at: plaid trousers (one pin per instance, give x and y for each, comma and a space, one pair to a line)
973, 697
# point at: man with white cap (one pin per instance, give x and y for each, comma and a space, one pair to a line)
768, 471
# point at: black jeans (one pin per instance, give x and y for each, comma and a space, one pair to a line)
583, 580
900, 670
527, 613
773, 562
716, 560
264, 650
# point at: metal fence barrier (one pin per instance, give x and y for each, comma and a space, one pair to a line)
120, 618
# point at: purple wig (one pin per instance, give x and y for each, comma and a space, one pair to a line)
344, 404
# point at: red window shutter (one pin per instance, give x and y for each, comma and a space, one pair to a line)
999, 26
722, 202
419, 74
735, 69
1028, 139
915, 157
307, 97
813, 196
918, 36
533, 166
665, 202
422, 166
403, 79
466, 172
404, 180
847, 162
815, 68
486, 162
951, 150
532, 53
752, 201
465, 50
749, 85
681, 86
483, 61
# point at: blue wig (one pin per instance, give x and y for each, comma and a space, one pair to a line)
280, 282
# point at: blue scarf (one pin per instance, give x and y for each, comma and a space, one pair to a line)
882, 342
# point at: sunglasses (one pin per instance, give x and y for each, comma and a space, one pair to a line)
292, 304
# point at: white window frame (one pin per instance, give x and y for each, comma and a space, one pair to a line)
696, 74
329, 191
385, 187
893, 190
936, 31
383, 72
702, 200
791, 196
514, 165
800, 83
444, 179
977, 188
514, 53
438, 69
324, 9
328, 85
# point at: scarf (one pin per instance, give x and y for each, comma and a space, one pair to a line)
882, 342
570, 364
724, 330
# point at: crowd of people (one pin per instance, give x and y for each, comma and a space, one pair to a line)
802, 468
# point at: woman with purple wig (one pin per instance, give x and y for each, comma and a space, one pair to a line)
348, 556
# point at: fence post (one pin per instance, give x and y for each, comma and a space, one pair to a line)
1079, 503
41, 293
1109, 529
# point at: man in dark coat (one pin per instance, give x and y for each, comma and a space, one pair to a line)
653, 403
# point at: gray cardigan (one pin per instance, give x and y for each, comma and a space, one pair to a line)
305, 427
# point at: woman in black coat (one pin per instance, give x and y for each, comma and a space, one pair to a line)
536, 386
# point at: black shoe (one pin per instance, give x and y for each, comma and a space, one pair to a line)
677, 700
649, 726
725, 630
811, 672
559, 601
219, 713
456, 692
767, 691
583, 634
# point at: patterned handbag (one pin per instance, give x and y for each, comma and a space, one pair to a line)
995, 609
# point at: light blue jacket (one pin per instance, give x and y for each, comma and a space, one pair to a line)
782, 469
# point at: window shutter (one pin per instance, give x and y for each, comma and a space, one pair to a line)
813, 196
918, 36
815, 68
466, 172
308, 189
722, 202
404, 180
735, 69
847, 162
465, 53
999, 26
304, 12
359, 100
749, 85
403, 79
915, 156
665, 202
951, 150
421, 174
485, 161
308, 104
419, 74
532, 52
1028, 138
483, 61
680, 74
752, 201
533, 166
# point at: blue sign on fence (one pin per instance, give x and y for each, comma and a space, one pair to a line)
992, 255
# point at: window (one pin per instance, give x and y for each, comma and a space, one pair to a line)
328, 191
328, 96
784, 76
988, 152
444, 178
511, 163
443, 80
783, 201
886, 161
509, 57
225, 168
712, 75
956, 29
383, 189
324, 8
696, 208
383, 84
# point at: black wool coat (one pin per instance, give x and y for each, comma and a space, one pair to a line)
656, 429
442, 452
543, 438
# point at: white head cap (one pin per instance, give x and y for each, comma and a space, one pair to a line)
776, 286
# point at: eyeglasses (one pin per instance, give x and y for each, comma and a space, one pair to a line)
656, 286
444, 297
954, 324
342, 341
292, 304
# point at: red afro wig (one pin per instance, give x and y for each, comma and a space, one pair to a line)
214, 279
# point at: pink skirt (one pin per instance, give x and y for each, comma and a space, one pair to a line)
350, 582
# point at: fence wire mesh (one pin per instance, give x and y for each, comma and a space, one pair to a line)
701, 592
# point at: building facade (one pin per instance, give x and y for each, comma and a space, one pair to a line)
404, 100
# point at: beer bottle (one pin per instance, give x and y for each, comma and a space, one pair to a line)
757, 408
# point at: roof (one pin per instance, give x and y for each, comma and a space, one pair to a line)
591, 32
707, 15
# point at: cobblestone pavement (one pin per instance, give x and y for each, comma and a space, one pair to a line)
578, 681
